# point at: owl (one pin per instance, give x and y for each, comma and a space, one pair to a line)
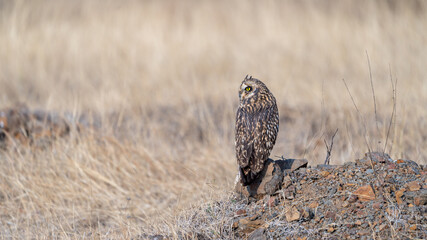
257, 125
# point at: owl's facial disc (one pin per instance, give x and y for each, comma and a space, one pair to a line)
246, 91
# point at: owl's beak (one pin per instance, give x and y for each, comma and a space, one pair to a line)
242, 95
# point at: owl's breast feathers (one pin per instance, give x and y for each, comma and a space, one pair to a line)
257, 126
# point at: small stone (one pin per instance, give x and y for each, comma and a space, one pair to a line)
332, 191
364, 232
307, 214
390, 211
361, 214
420, 200
235, 225
258, 234
331, 229
272, 201
352, 199
345, 204
358, 222
359, 205
369, 171
382, 226
290, 193
241, 212
313, 205
249, 224
413, 227
413, 186
292, 214
391, 166
331, 215
377, 206
324, 173
365, 193
287, 181
399, 195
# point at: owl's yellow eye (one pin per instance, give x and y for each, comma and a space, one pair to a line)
248, 89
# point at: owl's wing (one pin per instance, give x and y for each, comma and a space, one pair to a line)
244, 138
265, 137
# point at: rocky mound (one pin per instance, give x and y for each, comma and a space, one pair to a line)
372, 198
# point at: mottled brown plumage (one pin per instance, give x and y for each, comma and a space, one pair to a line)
257, 125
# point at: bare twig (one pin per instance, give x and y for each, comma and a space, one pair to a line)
329, 148
360, 115
393, 85
373, 92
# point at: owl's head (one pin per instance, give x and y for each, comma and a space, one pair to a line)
252, 90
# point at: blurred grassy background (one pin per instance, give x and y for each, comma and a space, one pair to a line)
163, 76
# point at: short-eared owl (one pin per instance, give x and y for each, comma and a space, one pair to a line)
257, 125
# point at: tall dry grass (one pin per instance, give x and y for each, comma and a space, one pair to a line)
162, 79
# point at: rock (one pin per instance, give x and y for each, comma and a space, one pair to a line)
413, 186
292, 164
307, 214
287, 181
364, 232
331, 215
248, 224
324, 173
292, 214
272, 201
311, 199
399, 195
332, 191
241, 212
313, 205
268, 183
258, 234
377, 206
271, 178
289, 192
418, 197
365, 193
352, 198
382, 226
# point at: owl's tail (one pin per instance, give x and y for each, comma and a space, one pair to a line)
247, 176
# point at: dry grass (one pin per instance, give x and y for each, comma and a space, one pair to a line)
162, 76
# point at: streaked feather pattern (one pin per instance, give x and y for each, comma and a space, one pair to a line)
257, 125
